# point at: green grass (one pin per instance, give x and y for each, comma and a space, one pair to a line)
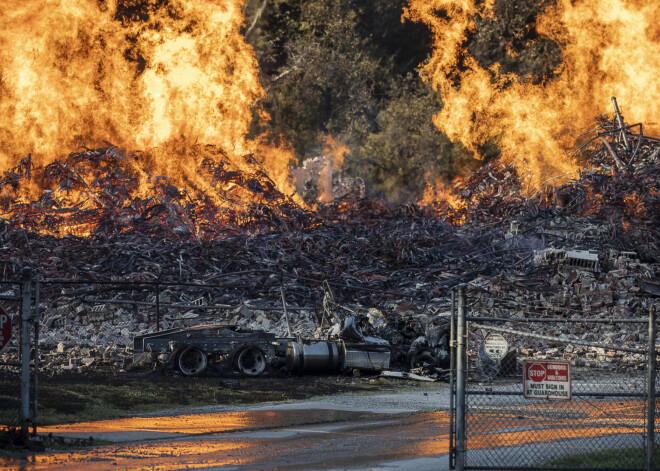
616, 458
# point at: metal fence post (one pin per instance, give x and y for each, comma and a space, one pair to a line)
650, 422
461, 357
35, 373
25, 349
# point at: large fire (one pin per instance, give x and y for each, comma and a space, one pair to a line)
175, 83
155, 76
609, 48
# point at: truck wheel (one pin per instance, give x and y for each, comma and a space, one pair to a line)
251, 362
192, 361
423, 358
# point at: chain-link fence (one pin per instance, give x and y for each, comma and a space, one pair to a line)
10, 368
10, 395
74, 324
19, 362
533, 398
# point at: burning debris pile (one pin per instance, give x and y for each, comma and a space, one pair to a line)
608, 191
575, 250
187, 234
102, 192
597, 237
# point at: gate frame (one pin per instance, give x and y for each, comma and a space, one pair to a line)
29, 350
458, 366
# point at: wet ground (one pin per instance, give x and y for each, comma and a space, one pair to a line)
355, 443
270, 439
380, 431
81, 397
145, 428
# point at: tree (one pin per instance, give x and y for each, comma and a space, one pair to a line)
407, 150
349, 68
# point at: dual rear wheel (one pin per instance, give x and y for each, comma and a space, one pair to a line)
250, 361
192, 361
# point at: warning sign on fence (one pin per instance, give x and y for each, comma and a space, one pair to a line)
5, 328
546, 379
495, 346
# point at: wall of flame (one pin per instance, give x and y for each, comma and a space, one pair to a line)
159, 75
609, 47
152, 75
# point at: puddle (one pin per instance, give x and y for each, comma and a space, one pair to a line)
345, 443
205, 423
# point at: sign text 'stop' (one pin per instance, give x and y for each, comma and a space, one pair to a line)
547, 379
5, 328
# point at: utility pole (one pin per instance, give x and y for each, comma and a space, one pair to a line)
650, 421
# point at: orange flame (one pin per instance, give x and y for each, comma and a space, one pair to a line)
153, 75
609, 48
442, 198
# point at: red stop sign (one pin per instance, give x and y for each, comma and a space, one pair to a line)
5, 328
536, 372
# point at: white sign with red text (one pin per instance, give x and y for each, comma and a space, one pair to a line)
547, 379
5, 328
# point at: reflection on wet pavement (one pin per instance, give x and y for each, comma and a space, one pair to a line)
278, 440
207, 423
288, 448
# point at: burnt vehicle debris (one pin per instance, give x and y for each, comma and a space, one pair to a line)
190, 350
227, 349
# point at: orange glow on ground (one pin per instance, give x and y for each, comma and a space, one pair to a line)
389, 438
204, 423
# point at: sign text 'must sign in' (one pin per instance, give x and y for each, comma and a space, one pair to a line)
545, 379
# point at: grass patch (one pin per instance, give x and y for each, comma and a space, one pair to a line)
80, 398
616, 458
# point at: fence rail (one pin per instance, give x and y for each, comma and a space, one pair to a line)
532, 403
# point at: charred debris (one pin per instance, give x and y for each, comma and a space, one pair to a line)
577, 250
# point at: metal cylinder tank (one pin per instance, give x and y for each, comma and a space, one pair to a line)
365, 357
312, 357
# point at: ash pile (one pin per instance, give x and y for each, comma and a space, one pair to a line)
577, 250
590, 247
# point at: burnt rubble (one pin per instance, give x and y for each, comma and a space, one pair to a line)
103, 192
575, 251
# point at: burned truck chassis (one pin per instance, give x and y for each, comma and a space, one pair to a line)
188, 350
250, 352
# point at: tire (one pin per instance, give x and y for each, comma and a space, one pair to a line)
192, 361
423, 358
251, 361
